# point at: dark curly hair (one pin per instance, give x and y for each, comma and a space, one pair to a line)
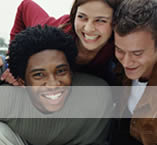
35, 39
134, 15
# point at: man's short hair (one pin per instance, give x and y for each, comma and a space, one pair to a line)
134, 15
35, 39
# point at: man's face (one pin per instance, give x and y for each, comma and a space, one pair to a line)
48, 73
136, 52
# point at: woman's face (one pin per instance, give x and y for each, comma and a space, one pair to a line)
93, 24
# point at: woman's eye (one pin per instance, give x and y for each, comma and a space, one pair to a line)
80, 16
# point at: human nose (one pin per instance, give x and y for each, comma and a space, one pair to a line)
52, 81
89, 26
127, 60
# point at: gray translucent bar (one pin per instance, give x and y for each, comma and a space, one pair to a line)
82, 102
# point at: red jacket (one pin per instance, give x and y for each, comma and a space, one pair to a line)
31, 14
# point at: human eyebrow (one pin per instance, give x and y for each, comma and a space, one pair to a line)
36, 70
62, 65
103, 17
138, 50
81, 13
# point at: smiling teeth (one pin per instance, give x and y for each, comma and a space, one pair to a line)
90, 37
53, 97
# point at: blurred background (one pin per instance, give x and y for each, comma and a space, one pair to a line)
8, 9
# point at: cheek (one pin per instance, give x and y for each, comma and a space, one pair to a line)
77, 25
144, 60
143, 63
106, 30
118, 56
67, 80
28, 80
32, 82
33, 93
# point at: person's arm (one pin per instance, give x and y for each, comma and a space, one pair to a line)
30, 14
3, 64
5, 75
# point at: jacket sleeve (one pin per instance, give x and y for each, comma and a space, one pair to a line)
30, 14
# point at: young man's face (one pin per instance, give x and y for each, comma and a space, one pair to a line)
49, 74
137, 53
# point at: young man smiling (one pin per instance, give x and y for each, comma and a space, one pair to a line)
135, 27
56, 73
41, 59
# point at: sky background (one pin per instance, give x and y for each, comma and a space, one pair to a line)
8, 9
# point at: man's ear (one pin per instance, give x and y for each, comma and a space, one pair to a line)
20, 81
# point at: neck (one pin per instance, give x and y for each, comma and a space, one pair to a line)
143, 80
85, 56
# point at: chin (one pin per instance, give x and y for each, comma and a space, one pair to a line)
54, 109
50, 110
90, 48
131, 77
